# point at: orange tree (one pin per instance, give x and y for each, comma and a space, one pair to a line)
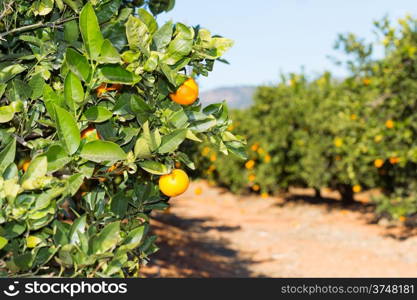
349, 134
89, 122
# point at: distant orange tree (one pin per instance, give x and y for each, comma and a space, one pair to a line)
353, 134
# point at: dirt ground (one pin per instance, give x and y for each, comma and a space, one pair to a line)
217, 234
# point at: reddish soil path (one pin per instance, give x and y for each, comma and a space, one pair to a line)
217, 234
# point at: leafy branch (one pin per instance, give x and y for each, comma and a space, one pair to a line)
36, 26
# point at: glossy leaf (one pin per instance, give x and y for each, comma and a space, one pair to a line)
90, 31
102, 151
68, 131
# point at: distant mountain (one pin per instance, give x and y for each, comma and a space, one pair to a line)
236, 97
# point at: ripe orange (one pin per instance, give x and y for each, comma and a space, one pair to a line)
103, 88
174, 184
394, 160
256, 188
23, 164
338, 142
267, 158
390, 124
250, 164
187, 93
357, 188
367, 81
255, 147
90, 133
198, 191
251, 178
378, 163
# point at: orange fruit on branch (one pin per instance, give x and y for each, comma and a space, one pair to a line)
187, 93
390, 124
394, 160
357, 188
103, 88
24, 164
378, 163
174, 184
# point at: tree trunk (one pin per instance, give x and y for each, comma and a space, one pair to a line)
346, 193
317, 193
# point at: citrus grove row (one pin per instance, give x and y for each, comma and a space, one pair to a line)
98, 112
349, 134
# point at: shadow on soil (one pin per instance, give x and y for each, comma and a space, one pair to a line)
329, 203
185, 251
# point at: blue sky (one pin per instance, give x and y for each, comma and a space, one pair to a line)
274, 36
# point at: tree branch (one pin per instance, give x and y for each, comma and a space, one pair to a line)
36, 26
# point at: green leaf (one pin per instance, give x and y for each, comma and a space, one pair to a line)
24, 261
44, 200
13, 229
78, 64
180, 46
119, 204
109, 54
90, 31
6, 113
106, 239
179, 119
148, 19
134, 238
192, 137
142, 148
50, 98
71, 31
36, 83
117, 74
237, 148
3, 242
73, 91
159, 6
43, 7
97, 114
152, 63
74, 4
9, 72
163, 36
57, 158
77, 228
38, 168
108, 10
152, 138
140, 108
74, 183
154, 167
138, 34
102, 151
7, 155
68, 131
172, 141
186, 160
60, 234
